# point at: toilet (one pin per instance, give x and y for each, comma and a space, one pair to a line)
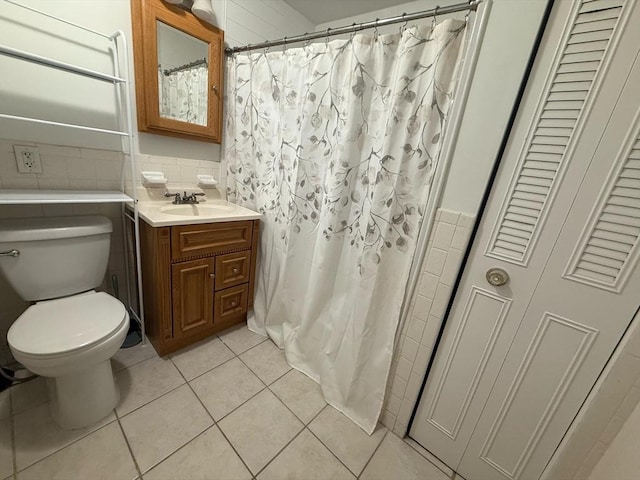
71, 331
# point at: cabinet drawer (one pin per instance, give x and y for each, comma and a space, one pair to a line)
232, 269
208, 239
230, 303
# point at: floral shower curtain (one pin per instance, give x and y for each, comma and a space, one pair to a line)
183, 94
336, 144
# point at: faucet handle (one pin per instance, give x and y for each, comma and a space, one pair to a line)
176, 197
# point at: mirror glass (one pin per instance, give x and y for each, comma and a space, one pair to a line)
182, 75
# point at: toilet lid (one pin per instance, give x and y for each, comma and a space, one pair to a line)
66, 324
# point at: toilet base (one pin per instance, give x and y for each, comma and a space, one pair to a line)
83, 398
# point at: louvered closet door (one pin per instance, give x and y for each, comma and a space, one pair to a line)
516, 361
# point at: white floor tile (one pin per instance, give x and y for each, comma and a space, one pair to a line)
145, 382
29, 394
396, 459
305, 458
240, 338
161, 427
127, 357
36, 435
102, 455
201, 357
260, 428
301, 394
345, 439
226, 387
6, 453
207, 456
266, 361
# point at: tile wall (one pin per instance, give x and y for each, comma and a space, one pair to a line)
445, 249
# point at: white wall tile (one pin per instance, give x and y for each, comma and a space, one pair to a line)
435, 261
444, 234
429, 302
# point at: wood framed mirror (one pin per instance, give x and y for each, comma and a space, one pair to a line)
178, 62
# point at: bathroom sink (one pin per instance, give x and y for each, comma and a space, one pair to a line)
195, 210
164, 214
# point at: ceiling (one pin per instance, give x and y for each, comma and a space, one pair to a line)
321, 11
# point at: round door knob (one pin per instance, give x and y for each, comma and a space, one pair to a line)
497, 277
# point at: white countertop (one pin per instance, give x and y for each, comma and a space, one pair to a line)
165, 214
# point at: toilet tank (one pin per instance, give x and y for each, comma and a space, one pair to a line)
58, 256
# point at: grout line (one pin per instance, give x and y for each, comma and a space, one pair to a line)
234, 449
326, 446
280, 451
176, 449
152, 400
155, 355
70, 443
373, 454
203, 373
194, 392
418, 448
236, 408
126, 440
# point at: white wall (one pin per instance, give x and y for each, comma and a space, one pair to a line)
503, 57
622, 459
32, 90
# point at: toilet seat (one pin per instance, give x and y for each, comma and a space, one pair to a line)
67, 325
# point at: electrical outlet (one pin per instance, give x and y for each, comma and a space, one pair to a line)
27, 159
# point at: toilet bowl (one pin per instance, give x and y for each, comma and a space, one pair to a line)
71, 331
71, 341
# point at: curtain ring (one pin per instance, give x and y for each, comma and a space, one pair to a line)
376, 34
284, 44
326, 39
353, 32
404, 25
308, 42
435, 16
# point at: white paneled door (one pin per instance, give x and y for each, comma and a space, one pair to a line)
517, 360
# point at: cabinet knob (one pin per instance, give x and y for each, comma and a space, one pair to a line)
215, 88
235, 270
233, 304
212, 275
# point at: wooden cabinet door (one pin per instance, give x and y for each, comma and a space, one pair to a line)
192, 289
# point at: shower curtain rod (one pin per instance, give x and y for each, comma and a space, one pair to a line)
472, 5
186, 66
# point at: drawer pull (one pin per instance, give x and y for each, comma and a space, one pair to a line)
235, 270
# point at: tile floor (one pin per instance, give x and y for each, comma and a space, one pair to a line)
227, 408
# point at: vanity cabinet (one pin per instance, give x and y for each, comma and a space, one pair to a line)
197, 279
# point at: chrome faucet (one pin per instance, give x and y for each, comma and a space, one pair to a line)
184, 199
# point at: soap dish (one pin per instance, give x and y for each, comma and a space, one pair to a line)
153, 179
207, 181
